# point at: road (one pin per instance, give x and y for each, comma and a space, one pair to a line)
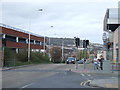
47, 76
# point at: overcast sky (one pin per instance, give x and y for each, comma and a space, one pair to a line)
69, 18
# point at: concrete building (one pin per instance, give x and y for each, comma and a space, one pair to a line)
112, 27
116, 46
17, 39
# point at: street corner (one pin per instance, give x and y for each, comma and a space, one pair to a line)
93, 83
104, 83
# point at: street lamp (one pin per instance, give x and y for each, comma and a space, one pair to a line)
50, 45
30, 35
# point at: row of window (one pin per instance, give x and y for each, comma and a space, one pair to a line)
22, 40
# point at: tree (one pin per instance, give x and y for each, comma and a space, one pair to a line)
81, 54
56, 54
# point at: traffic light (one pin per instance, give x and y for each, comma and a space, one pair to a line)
77, 42
108, 45
85, 43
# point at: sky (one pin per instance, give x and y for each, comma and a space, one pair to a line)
68, 18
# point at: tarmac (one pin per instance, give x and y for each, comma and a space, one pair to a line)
101, 83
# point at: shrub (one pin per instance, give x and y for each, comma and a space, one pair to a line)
15, 59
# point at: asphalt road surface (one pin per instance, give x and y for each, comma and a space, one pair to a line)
47, 76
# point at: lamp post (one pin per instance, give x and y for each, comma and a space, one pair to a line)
30, 36
50, 45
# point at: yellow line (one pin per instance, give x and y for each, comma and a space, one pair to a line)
111, 86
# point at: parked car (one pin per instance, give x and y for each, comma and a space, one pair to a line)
81, 61
70, 60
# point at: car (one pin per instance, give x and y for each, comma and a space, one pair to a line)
70, 60
81, 61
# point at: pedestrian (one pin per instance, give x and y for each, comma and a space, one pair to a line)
101, 62
95, 61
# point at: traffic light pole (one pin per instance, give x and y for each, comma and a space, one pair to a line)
85, 54
84, 58
76, 62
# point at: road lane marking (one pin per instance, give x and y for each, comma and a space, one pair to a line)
26, 85
89, 75
84, 76
84, 82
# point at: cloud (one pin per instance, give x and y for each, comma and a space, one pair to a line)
82, 19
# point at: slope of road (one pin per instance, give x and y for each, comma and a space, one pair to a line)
29, 74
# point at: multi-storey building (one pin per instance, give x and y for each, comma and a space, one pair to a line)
112, 27
17, 39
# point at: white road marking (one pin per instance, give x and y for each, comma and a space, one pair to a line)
27, 85
113, 77
84, 76
89, 75
84, 82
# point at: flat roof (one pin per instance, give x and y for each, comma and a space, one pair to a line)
18, 29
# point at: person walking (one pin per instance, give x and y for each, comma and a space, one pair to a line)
95, 61
101, 62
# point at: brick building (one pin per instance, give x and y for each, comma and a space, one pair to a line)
17, 39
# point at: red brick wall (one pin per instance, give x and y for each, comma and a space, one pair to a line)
21, 45
1, 53
21, 34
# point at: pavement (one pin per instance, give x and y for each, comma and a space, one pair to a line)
102, 83
9, 68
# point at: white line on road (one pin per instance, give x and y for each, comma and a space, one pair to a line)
84, 76
26, 85
89, 75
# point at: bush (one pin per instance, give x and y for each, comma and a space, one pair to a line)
22, 56
9, 57
13, 59
39, 58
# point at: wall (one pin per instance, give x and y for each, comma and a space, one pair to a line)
1, 53
116, 44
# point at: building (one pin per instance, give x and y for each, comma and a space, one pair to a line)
18, 39
116, 46
112, 27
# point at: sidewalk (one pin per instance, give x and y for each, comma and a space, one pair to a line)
103, 83
9, 68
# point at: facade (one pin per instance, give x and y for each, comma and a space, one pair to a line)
116, 47
112, 27
1, 53
19, 39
